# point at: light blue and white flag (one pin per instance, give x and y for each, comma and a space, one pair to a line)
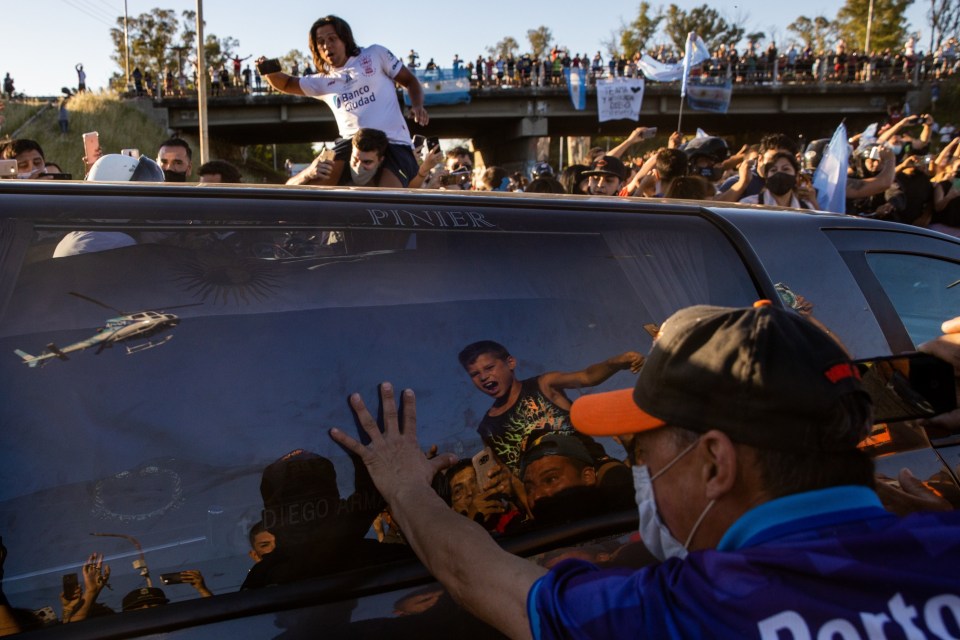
695, 52
442, 86
830, 180
577, 84
869, 135
709, 96
657, 71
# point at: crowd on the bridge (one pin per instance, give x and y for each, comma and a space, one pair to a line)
748, 64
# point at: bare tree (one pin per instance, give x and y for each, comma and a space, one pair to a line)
944, 17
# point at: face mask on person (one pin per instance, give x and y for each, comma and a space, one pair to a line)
174, 176
654, 533
896, 148
359, 174
780, 184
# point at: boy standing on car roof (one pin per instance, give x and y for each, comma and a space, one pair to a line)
743, 434
522, 406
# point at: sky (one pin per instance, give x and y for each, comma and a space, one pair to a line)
63, 33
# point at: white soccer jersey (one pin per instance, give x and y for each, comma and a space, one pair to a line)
362, 94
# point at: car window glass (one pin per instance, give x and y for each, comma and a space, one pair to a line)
159, 443
924, 291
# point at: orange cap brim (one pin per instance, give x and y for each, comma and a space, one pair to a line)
611, 413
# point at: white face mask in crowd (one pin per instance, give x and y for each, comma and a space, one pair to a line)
653, 532
359, 173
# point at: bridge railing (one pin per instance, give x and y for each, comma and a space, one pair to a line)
743, 72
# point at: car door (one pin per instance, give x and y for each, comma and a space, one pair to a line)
911, 282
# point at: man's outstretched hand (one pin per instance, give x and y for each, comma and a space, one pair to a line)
393, 457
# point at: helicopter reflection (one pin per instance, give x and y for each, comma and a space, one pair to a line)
126, 327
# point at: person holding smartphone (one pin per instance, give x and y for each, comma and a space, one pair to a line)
358, 84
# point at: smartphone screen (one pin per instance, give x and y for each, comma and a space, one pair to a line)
8, 168
70, 584
91, 145
649, 132
171, 578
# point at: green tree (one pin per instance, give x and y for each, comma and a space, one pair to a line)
755, 37
889, 23
217, 50
506, 47
151, 37
160, 41
295, 55
633, 37
705, 22
540, 39
817, 33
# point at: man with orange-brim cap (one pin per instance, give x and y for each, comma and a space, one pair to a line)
742, 434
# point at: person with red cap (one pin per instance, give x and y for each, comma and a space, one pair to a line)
742, 433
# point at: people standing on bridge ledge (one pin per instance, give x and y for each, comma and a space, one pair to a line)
358, 86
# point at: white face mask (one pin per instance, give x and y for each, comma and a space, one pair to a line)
361, 175
654, 533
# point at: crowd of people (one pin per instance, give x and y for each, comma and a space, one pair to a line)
749, 64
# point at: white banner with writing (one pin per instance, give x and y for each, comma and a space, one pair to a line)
619, 99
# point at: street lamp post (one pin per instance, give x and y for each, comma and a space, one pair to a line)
126, 42
866, 44
201, 86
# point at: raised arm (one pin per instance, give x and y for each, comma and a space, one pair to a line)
864, 187
593, 375
409, 82
489, 582
635, 136
282, 82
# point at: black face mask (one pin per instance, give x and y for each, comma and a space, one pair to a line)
780, 184
174, 176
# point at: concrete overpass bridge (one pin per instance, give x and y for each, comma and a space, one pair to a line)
506, 124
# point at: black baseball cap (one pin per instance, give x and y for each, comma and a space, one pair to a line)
554, 444
607, 166
765, 376
144, 597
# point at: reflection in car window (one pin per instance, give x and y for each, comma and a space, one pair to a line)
924, 291
161, 434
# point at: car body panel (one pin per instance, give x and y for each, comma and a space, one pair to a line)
294, 298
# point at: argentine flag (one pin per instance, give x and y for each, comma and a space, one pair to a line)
577, 84
442, 86
830, 180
